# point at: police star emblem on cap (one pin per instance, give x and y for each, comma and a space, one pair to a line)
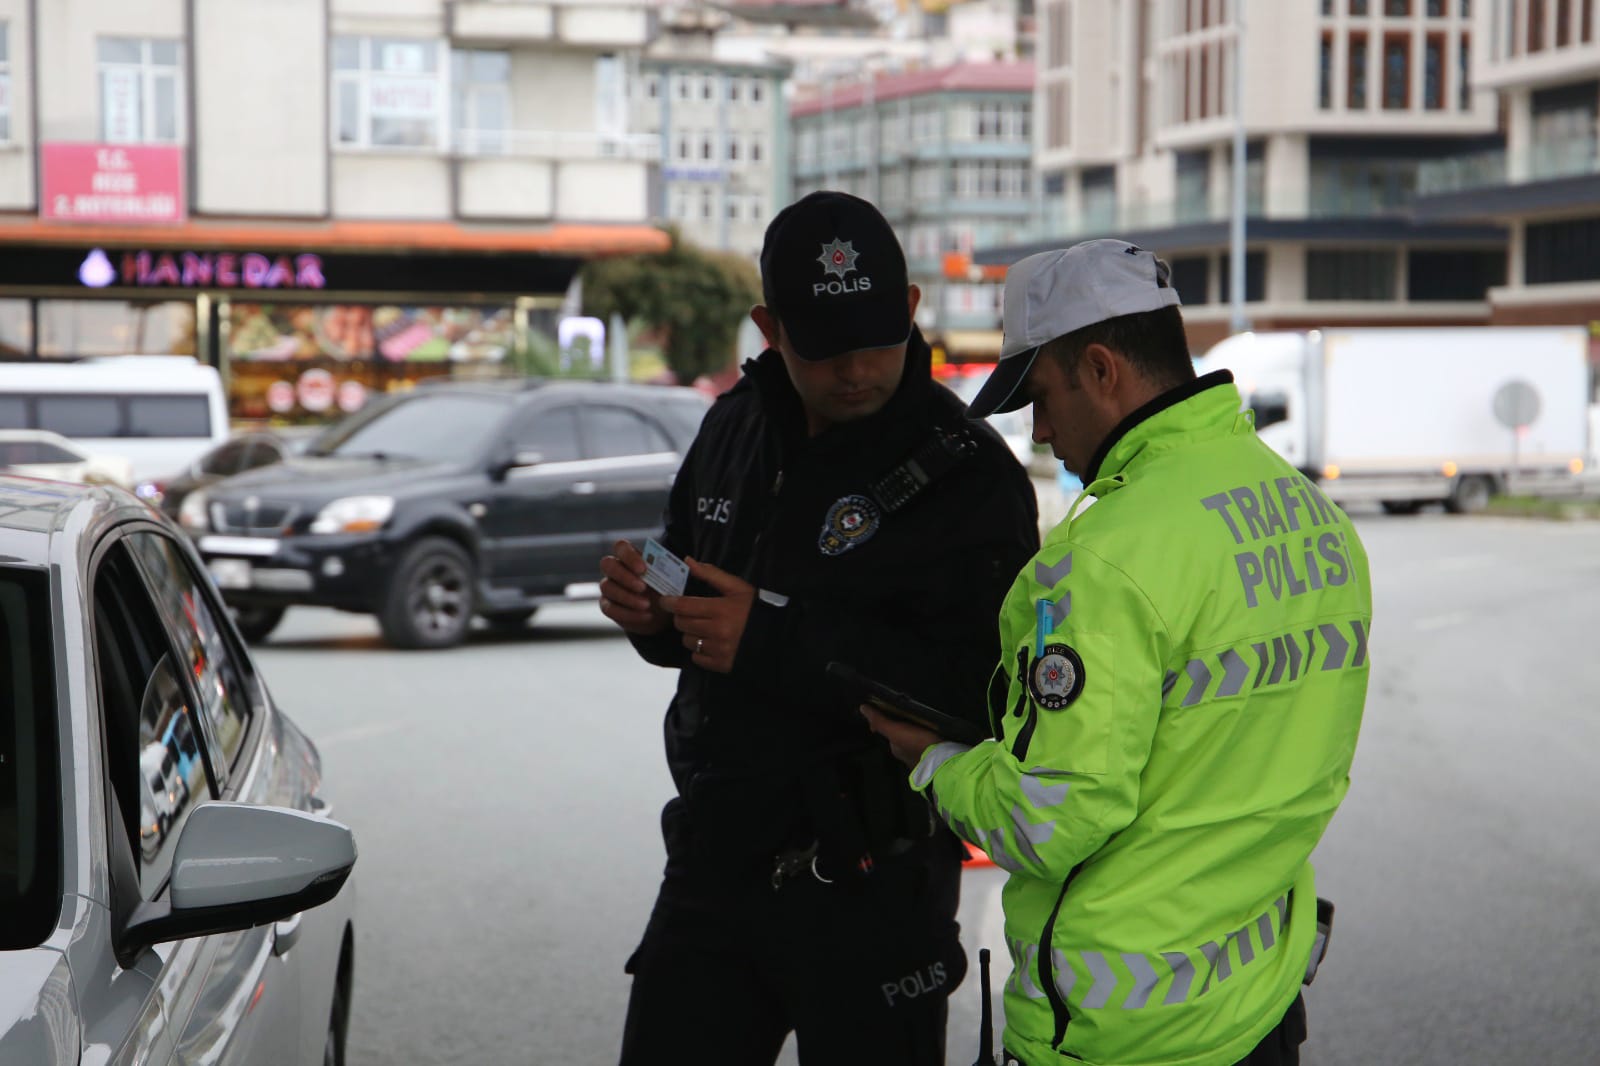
838, 257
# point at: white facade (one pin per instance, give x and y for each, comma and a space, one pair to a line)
310, 109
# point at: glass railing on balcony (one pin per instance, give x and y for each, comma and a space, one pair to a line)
1541, 162
558, 145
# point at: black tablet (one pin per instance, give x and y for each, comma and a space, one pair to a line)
897, 704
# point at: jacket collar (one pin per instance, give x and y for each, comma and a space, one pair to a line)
1197, 410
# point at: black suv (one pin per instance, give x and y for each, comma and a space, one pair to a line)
424, 509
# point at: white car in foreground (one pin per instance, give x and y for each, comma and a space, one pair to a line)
41, 453
172, 889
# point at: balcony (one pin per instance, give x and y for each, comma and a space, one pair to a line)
598, 24
569, 175
1551, 176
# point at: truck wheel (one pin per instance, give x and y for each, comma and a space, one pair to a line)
1401, 506
1470, 495
257, 623
429, 602
509, 621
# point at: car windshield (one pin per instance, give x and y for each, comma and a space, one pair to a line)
30, 829
439, 428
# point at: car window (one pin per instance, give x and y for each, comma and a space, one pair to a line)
18, 452
225, 460
80, 416
184, 597
438, 427
263, 451
30, 828
552, 432
615, 431
1270, 408
13, 412
154, 756
168, 416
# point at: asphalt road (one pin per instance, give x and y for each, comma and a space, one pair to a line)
505, 796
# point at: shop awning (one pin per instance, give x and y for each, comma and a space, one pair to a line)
564, 239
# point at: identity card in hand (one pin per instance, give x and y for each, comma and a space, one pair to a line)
667, 573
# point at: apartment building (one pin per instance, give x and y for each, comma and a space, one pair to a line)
1344, 102
721, 133
369, 190
944, 153
1541, 60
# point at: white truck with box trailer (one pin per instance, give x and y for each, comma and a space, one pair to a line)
1409, 416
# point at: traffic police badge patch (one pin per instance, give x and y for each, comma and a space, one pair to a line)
851, 522
1056, 677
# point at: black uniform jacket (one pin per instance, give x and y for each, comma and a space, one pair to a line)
912, 601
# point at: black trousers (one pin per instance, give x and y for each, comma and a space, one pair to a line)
1281, 1047
859, 970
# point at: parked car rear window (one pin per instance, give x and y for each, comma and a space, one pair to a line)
168, 416
30, 825
442, 428
20, 452
133, 415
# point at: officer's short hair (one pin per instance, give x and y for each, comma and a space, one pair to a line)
1154, 343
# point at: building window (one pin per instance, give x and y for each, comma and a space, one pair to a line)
1556, 252
1350, 275
680, 83
1453, 275
1433, 73
652, 86
1191, 276
482, 101
708, 86
1586, 22
388, 92
1100, 198
1396, 72
1356, 86
1435, 9
708, 202
1255, 277
140, 89
733, 147
1325, 74
1058, 128
708, 145
927, 124
683, 148
1194, 185
757, 147
5, 82
757, 90
733, 90
757, 208
1358, 7
1564, 22
1463, 86
116, 327
1397, 8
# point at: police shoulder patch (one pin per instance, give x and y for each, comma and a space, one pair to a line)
851, 522
1056, 677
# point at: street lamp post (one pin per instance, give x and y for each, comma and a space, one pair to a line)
1236, 253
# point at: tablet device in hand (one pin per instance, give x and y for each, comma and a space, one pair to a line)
897, 704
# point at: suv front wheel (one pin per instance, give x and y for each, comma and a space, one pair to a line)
429, 602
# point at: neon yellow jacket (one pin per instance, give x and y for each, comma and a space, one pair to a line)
1179, 721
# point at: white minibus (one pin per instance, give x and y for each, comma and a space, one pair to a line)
160, 412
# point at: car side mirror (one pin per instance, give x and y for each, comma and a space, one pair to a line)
517, 461
238, 865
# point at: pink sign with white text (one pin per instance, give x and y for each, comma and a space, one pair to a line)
112, 183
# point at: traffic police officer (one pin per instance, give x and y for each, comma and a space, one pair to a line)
1185, 663
835, 506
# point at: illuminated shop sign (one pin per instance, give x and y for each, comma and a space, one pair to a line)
202, 270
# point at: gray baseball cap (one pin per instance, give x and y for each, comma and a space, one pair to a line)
1055, 293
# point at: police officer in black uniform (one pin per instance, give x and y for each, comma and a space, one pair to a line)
836, 506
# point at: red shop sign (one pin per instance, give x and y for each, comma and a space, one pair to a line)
112, 183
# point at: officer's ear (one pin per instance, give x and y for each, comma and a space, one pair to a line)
767, 323
913, 298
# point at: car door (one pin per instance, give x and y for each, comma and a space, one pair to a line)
631, 464
176, 719
249, 1010
538, 529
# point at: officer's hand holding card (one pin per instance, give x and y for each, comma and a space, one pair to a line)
666, 573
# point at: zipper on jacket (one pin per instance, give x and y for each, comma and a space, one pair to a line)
1047, 967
